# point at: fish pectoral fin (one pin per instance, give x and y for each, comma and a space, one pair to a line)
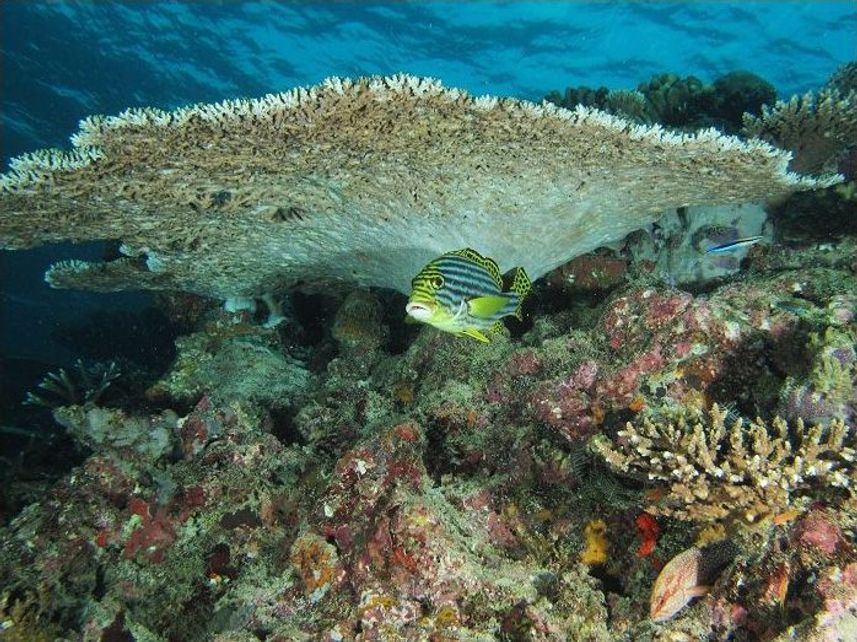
698, 591
476, 334
409, 320
485, 307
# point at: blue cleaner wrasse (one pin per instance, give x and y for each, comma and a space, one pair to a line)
464, 293
732, 246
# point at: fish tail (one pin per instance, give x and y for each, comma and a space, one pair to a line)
519, 283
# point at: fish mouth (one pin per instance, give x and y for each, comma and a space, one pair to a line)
419, 310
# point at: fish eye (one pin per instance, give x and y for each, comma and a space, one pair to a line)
437, 281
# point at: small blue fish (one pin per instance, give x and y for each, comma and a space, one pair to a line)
731, 246
798, 307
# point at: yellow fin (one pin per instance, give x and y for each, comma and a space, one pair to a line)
485, 307
476, 334
516, 280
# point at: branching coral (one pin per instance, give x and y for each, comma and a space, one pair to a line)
830, 389
746, 469
87, 385
816, 128
22, 621
844, 79
678, 102
627, 104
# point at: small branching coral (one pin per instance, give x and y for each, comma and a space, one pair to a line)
830, 390
816, 128
744, 469
22, 620
86, 384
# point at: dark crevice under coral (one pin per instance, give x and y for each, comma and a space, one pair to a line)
284, 428
146, 337
796, 220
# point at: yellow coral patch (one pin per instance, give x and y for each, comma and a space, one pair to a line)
597, 545
315, 561
710, 534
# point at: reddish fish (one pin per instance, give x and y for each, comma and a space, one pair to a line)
677, 584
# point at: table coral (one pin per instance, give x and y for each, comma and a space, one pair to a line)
247, 197
430, 492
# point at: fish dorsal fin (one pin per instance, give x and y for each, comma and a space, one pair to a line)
485, 307
516, 280
486, 263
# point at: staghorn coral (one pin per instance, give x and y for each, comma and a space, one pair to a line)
816, 128
85, 385
746, 470
843, 79
361, 181
678, 102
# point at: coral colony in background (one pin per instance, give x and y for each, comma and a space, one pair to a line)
662, 449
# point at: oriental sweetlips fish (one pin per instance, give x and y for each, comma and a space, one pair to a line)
464, 293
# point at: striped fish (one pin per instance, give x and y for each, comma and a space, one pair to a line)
464, 293
731, 246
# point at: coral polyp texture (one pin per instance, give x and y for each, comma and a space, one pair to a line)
361, 181
717, 469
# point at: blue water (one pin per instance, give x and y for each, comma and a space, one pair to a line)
64, 60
